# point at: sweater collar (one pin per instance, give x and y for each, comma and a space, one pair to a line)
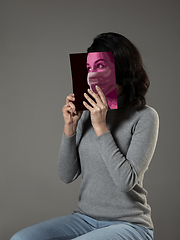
121, 101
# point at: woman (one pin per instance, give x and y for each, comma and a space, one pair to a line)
112, 150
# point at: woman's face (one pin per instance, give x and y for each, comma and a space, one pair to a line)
101, 71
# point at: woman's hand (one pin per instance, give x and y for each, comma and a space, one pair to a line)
71, 117
98, 110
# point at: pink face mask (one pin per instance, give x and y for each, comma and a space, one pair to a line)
105, 79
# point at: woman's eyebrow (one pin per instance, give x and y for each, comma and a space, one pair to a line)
101, 59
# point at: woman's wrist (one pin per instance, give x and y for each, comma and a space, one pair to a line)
101, 129
69, 130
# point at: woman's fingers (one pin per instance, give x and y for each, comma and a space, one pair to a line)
67, 109
100, 100
95, 96
73, 107
89, 99
87, 106
70, 98
101, 94
69, 103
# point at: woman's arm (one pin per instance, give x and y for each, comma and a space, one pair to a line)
126, 170
68, 160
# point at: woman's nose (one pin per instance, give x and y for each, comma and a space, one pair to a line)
92, 75
94, 70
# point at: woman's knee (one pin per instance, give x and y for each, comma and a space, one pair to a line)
17, 236
24, 234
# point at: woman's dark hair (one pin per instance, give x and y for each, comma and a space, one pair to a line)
129, 68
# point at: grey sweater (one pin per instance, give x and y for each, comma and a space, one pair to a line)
112, 165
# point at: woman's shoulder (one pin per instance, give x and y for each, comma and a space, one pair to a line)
147, 110
148, 113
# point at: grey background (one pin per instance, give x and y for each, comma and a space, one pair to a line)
36, 37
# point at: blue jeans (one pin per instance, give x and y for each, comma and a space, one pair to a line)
80, 227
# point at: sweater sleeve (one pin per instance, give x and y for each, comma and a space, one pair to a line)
68, 160
126, 170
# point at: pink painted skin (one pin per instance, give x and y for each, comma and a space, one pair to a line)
101, 72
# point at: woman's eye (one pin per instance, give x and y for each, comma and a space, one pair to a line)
88, 69
100, 65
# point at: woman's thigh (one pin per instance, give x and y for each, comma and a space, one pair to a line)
66, 227
122, 231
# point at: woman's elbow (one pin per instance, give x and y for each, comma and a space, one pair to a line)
127, 183
68, 178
